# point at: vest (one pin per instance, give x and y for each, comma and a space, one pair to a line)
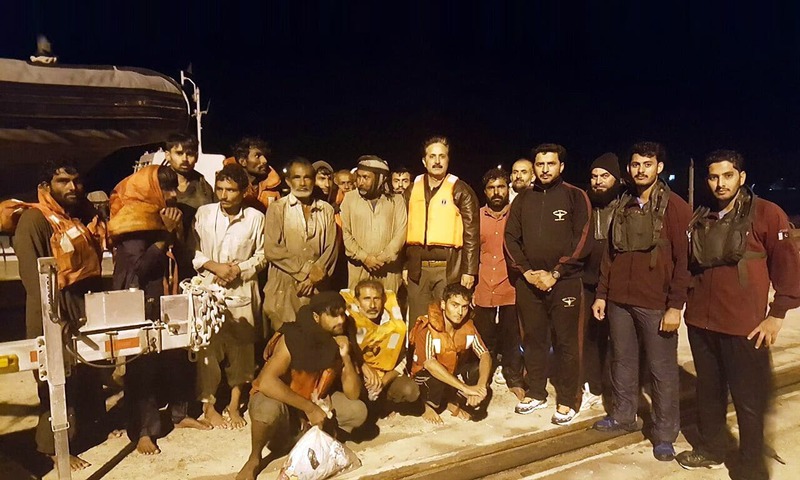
381, 345
446, 348
309, 385
438, 223
602, 220
715, 242
639, 229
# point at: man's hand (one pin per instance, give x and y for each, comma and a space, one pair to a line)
371, 379
305, 288
468, 281
344, 345
671, 320
599, 309
372, 263
316, 416
544, 280
475, 400
532, 277
171, 216
767, 331
316, 274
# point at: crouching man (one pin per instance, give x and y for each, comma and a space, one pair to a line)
304, 359
441, 342
381, 333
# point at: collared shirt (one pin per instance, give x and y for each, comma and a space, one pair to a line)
494, 288
238, 238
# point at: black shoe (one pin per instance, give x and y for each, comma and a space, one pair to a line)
695, 459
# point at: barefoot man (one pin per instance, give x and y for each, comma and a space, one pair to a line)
229, 250
304, 360
442, 341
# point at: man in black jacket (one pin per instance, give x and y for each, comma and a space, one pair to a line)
443, 231
547, 239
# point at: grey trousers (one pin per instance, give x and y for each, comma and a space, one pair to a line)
350, 414
628, 325
429, 289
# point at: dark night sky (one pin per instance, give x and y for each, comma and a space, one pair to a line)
338, 81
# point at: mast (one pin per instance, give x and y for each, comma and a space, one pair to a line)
198, 113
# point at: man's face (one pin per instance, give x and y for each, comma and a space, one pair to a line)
547, 167
436, 160
644, 170
255, 163
602, 180
400, 182
724, 180
371, 301
333, 324
181, 159
301, 180
229, 194
521, 175
345, 181
496, 192
365, 181
323, 180
455, 309
66, 188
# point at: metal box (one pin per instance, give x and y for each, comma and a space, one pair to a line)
115, 309
175, 308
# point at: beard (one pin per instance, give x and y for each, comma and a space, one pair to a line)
602, 199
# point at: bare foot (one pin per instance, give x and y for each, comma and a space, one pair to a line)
249, 470
190, 422
236, 421
430, 416
75, 463
146, 446
213, 418
115, 434
519, 392
457, 412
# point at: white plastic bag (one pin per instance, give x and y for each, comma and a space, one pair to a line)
317, 456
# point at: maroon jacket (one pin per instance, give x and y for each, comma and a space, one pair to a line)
626, 277
717, 300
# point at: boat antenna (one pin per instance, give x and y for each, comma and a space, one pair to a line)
198, 113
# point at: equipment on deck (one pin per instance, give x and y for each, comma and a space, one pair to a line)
115, 327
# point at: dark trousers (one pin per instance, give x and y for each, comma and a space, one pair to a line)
85, 405
595, 346
628, 325
726, 362
561, 310
500, 330
152, 381
437, 394
429, 289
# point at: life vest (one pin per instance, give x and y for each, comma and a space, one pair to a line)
639, 229
381, 345
601, 220
309, 385
438, 223
447, 349
76, 249
716, 242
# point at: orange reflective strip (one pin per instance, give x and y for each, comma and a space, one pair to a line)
123, 344
34, 356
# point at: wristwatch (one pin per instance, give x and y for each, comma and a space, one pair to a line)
555, 274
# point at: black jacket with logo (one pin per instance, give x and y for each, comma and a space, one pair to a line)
548, 229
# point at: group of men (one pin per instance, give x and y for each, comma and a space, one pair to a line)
384, 292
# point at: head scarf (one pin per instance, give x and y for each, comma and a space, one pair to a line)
136, 202
376, 165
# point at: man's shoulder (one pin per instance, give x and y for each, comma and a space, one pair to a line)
768, 211
252, 212
206, 209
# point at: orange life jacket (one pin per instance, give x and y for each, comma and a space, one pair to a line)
262, 195
381, 345
439, 223
447, 349
75, 247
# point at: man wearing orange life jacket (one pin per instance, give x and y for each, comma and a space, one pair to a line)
253, 154
53, 227
381, 333
443, 240
304, 359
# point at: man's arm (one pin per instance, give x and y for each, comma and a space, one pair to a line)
351, 380
257, 260
440, 373
581, 245
270, 384
399, 231
330, 251
31, 241
513, 237
467, 203
351, 247
678, 216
